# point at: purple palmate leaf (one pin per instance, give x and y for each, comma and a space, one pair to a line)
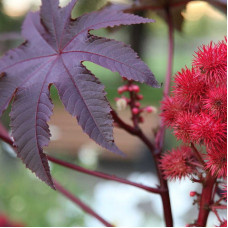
54, 51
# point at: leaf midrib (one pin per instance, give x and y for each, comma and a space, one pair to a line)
92, 53
70, 76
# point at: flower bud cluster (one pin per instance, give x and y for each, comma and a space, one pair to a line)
133, 101
197, 107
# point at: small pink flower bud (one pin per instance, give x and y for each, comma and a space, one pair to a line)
130, 88
135, 111
134, 88
137, 104
139, 97
149, 109
192, 194
122, 89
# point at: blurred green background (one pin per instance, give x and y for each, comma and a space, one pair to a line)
23, 197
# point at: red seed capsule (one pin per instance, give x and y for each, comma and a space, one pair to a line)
192, 194
122, 89
135, 111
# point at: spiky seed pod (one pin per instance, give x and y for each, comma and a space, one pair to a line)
189, 87
217, 161
211, 60
170, 110
183, 127
215, 103
207, 130
176, 164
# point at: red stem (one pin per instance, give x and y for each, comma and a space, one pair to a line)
131, 130
103, 175
159, 141
4, 135
82, 205
163, 183
6, 138
156, 150
165, 195
9, 141
170, 53
218, 207
197, 154
205, 200
161, 134
138, 132
217, 215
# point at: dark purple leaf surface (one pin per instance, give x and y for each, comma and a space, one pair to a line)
54, 51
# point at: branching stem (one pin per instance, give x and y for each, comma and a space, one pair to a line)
6, 138
157, 148
197, 154
102, 175
206, 200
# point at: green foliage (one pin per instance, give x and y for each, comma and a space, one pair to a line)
25, 199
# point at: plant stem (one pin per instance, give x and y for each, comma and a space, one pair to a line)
161, 134
197, 154
205, 200
4, 135
82, 205
163, 183
170, 53
131, 130
103, 175
165, 195
6, 138
218, 207
9, 141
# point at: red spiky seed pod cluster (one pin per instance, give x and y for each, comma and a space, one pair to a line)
197, 107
